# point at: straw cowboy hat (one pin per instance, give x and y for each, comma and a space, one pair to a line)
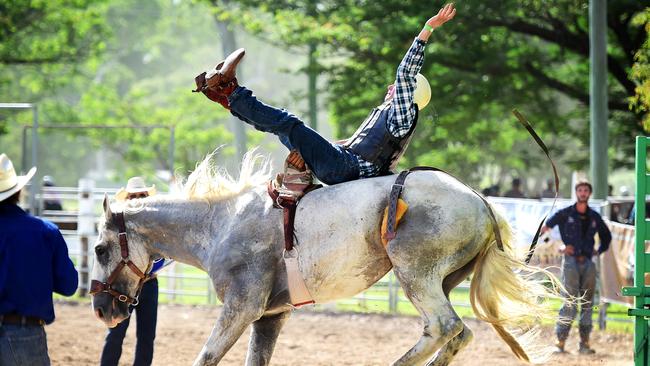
135, 185
11, 183
422, 94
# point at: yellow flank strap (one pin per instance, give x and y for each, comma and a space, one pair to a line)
401, 210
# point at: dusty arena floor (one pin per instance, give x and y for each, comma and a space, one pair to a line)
76, 338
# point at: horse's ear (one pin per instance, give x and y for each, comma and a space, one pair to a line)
107, 207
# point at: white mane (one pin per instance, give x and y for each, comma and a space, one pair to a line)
211, 182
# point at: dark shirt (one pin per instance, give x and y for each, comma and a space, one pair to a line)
579, 229
34, 263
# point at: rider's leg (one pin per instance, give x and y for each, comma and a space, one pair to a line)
330, 162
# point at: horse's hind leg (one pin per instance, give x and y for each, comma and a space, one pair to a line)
441, 323
263, 336
449, 350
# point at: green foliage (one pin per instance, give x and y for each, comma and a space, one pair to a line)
124, 64
641, 72
43, 44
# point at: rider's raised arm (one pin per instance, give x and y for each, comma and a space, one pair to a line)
407, 70
444, 15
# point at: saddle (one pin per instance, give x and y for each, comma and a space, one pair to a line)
288, 188
285, 191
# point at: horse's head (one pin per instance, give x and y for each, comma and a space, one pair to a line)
121, 265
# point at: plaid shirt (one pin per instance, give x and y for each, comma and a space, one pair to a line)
403, 110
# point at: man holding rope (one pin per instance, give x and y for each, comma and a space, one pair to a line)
578, 225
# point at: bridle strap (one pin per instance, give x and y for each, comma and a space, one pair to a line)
97, 286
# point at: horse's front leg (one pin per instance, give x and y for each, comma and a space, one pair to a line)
236, 315
263, 337
246, 287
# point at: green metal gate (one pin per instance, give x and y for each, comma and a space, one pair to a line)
641, 292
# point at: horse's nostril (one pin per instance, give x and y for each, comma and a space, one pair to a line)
99, 313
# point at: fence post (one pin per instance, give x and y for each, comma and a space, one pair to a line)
85, 228
392, 293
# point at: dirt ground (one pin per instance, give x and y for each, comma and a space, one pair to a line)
309, 338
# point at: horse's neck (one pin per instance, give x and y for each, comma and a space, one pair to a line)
179, 229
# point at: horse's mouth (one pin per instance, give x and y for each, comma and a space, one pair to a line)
108, 311
110, 321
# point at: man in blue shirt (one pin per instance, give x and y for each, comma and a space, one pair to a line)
375, 147
578, 225
147, 307
34, 263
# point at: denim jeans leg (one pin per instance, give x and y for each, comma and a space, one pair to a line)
330, 163
113, 344
245, 106
146, 316
23, 345
587, 289
570, 279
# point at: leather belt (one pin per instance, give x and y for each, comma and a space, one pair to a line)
17, 319
581, 258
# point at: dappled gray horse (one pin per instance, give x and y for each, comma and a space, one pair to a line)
229, 229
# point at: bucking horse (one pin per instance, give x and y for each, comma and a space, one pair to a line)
229, 228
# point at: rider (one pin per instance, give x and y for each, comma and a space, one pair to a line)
375, 147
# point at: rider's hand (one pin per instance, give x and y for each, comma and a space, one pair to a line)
444, 15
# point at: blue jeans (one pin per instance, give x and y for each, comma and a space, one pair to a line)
329, 162
23, 345
146, 316
579, 280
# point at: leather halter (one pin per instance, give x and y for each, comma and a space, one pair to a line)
97, 287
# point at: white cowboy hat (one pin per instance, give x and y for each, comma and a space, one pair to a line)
11, 183
422, 94
134, 185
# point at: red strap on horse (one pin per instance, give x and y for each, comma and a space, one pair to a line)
288, 205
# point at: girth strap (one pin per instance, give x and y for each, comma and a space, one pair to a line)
396, 192
288, 205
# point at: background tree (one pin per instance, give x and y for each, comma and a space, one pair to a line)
641, 72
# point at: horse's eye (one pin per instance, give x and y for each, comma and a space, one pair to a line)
100, 251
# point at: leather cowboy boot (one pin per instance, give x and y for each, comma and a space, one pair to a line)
296, 177
584, 348
218, 83
559, 346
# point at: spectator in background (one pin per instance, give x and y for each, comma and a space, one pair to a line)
51, 203
549, 191
34, 263
492, 191
147, 307
515, 190
578, 226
